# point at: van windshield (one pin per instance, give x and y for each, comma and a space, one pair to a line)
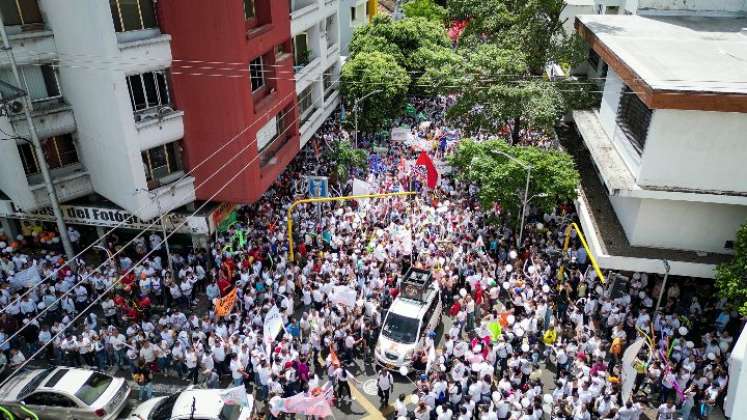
400, 328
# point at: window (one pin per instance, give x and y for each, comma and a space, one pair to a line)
633, 117
249, 12
256, 70
133, 15
49, 399
329, 81
612, 10
20, 12
160, 162
301, 50
94, 386
352, 14
306, 104
59, 152
148, 91
39, 81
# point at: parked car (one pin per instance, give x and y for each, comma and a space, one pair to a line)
197, 404
66, 393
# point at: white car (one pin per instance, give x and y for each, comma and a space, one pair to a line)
66, 393
197, 404
415, 311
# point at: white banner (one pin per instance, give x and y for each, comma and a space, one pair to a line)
344, 295
401, 134
272, 325
25, 278
629, 373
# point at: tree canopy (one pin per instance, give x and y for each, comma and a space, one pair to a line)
731, 277
554, 177
416, 44
368, 72
346, 158
427, 9
496, 87
534, 27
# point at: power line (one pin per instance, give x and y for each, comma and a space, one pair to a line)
7, 340
185, 175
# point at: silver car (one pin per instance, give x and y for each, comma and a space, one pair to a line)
66, 393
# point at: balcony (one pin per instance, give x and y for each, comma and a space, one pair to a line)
173, 192
31, 47
158, 126
300, 8
52, 117
151, 52
70, 182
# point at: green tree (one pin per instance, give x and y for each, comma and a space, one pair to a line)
731, 277
554, 177
496, 88
345, 157
427, 9
416, 44
534, 27
368, 72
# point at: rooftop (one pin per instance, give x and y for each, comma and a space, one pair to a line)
673, 54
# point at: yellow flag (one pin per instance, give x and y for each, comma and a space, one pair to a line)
224, 305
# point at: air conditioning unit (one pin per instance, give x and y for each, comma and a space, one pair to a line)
15, 107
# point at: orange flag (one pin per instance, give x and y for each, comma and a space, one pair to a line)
503, 318
224, 305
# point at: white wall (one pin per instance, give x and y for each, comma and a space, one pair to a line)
610, 100
96, 87
626, 210
685, 225
13, 181
735, 402
572, 9
696, 150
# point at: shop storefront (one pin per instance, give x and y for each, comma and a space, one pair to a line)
94, 221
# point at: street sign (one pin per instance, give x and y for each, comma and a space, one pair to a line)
317, 186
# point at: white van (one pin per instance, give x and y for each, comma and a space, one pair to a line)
414, 312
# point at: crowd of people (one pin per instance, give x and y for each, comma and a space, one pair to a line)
558, 353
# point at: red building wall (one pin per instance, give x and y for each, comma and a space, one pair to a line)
212, 45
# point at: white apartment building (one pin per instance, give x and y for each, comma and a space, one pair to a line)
667, 143
33, 44
97, 73
353, 14
315, 29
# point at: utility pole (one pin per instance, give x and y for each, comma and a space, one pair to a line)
663, 284
54, 202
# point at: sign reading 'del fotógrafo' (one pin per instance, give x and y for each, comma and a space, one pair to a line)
102, 216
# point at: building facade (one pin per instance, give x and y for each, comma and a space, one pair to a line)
233, 76
147, 107
352, 15
315, 29
667, 143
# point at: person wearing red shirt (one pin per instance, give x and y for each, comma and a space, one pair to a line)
455, 308
224, 286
